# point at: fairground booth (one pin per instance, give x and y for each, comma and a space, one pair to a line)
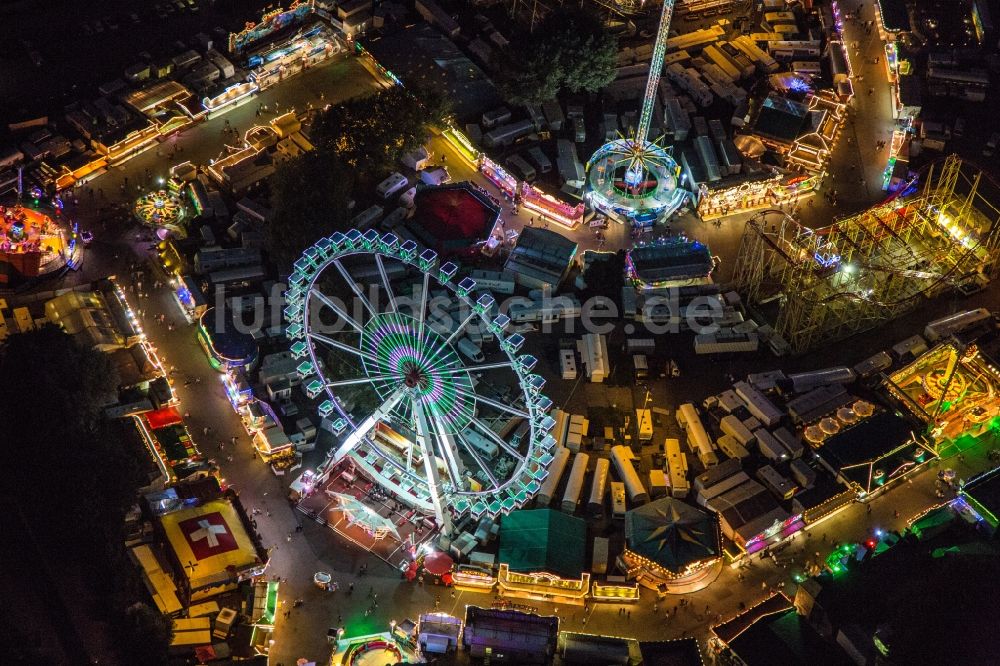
873, 453
35, 243
453, 219
207, 542
227, 347
672, 547
542, 556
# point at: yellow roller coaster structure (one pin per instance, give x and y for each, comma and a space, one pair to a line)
870, 268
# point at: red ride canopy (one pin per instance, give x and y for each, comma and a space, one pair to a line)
438, 563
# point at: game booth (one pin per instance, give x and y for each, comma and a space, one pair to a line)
211, 548
34, 244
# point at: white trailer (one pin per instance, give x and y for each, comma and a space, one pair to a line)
594, 350
574, 484
912, 346
640, 345
677, 468
598, 488
484, 446
769, 445
956, 323
734, 427
644, 423
873, 364
804, 382
731, 447
556, 469
391, 185
622, 456
698, 440
470, 349
617, 499
758, 404
567, 364
725, 341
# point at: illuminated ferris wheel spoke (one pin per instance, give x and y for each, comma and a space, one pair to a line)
500, 441
458, 331
378, 379
446, 449
477, 368
471, 450
339, 311
354, 287
493, 403
336, 344
423, 300
385, 281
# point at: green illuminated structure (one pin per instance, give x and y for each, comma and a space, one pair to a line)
428, 434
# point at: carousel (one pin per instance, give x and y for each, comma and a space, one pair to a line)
33, 243
163, 210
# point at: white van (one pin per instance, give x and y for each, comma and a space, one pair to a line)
391, 185
435, 176
406, 198
521, 167
471, 350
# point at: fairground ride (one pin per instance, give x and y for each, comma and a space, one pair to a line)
870, 268
634, 176
421, 408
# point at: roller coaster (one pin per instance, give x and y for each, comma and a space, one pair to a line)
872, 267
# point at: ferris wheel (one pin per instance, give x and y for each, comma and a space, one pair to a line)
428, 393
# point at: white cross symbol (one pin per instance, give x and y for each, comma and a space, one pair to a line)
208, 531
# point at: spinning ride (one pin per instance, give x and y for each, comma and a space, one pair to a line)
160, 208
424, 411
634, 176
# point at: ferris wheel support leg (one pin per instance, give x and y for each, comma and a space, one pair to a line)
385, 282
361, 430
339, 311
446, 444
441, 513
354, 287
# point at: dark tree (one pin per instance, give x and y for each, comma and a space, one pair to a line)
71, 474
373, 132
310, 197
569, 50
145, 635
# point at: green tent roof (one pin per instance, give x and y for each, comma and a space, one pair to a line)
543, 540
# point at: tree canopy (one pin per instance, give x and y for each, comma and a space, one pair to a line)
373, 132
356, 143
569, 50
310, 197
71, 473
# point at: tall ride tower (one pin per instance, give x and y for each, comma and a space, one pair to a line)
636, 176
